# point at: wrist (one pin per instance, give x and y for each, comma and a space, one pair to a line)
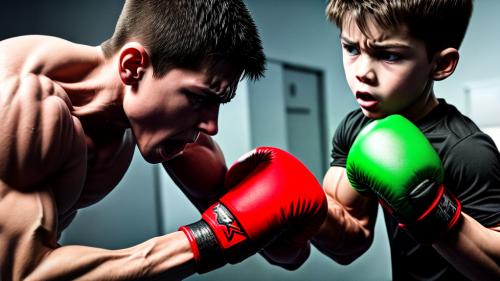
217, 239
206, 251
438, 220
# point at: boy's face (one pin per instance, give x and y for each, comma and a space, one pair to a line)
167, 113
388, 71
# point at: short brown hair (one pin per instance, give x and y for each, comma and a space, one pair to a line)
439, 23
182, 33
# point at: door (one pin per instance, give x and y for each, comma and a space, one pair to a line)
304, 120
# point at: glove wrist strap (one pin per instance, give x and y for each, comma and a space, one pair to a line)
232, 239
438, 220
205, 247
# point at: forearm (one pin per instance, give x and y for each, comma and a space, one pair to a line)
343, 237
166, 257
473, 250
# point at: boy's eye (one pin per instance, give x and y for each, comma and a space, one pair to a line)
350, 49
388, 56
196, 99
199, 100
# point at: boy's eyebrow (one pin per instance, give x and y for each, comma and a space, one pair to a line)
348, 41
214, 96
377, 45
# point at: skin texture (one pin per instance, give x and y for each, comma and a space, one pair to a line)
389, 72
70, 121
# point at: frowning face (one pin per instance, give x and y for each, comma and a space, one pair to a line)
388, 71
168, 112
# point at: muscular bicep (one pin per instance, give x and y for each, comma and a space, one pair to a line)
337, 188
39, 136
347, 232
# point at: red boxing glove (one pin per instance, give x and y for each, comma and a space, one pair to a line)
199, 171
273, 193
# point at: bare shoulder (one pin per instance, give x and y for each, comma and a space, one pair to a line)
29, 44
16, 52
40, 136
39, 54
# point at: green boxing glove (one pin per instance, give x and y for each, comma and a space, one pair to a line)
393, 159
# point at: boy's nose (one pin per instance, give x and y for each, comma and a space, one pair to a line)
208, 122
367, 78
365, 72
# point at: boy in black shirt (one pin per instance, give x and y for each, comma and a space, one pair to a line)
393, 51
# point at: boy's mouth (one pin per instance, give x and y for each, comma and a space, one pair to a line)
171, 149
366, 100
174, 147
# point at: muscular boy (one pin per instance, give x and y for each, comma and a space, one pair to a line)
393, 51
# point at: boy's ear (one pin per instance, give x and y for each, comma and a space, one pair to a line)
445, 62
133, 61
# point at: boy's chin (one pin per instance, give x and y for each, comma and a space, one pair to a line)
374, 115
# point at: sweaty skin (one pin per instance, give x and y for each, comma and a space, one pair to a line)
65, 145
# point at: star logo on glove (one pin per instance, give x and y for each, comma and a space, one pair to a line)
225, 218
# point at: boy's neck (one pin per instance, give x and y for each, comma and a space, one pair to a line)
98, 94
421, 107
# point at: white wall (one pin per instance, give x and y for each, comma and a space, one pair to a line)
479, 54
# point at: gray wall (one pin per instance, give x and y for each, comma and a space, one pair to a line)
294, 31
87, 22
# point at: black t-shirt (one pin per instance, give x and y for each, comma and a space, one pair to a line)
472, 173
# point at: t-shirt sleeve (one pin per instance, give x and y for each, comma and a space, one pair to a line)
473, 175
345, 135
340, 147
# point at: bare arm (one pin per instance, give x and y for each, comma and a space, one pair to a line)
474, 250
348, 229
166, 257
199, 171
28, 237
